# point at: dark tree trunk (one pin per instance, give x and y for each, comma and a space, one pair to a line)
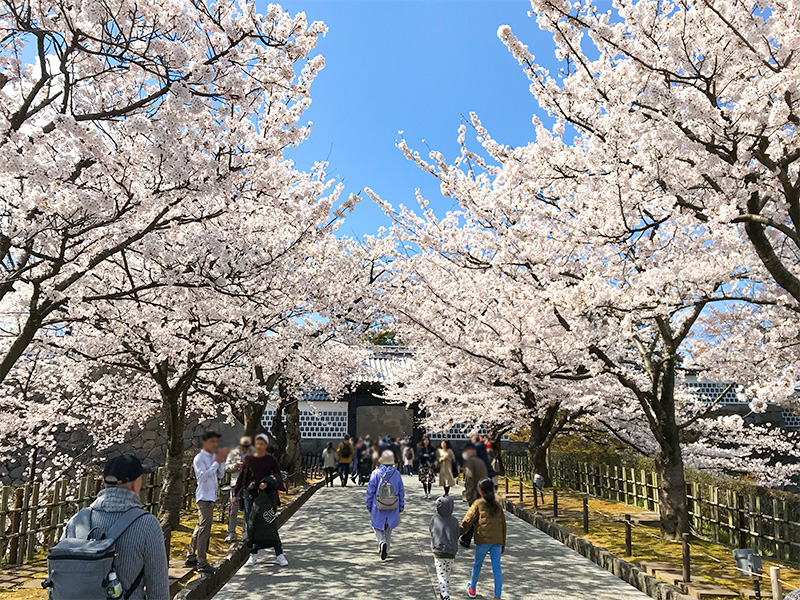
252, 414
21, 343
293, 459
277, 435
171, 504
496, 451
673, 507
543, 431
672, 492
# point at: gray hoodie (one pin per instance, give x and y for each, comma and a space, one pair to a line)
444, 529
140, 546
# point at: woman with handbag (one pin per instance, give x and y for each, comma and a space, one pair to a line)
427, 466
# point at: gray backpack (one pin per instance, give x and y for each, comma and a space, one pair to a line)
387, 498
79, 567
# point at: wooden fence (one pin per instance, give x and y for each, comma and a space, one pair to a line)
738, 516
32, 518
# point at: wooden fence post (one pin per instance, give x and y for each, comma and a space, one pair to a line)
628, 549
14, 557
5, 503
742, 520
555, 503
33, 522
687, 570
585, 515
777, 588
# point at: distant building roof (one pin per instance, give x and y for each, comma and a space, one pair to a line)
386, 366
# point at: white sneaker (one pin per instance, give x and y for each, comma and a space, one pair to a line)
281, 560
253, 560
230, 539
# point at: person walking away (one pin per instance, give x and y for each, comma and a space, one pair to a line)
446, 458
345, 453
395, 448
209, 467
483, 454
256, 468
487, 518
329, 464
262, 528
427, 469
140, 563
359, 453
474, 472
233, 466
376, 455
444, 543
408, 458
386, 499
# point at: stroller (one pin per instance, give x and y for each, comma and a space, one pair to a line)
364, 469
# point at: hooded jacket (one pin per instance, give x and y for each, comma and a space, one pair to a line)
490, 526
385, 518
444, 529
141, 546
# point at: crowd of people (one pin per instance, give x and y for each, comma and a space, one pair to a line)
140, 564
484, 521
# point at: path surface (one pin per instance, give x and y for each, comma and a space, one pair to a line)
333, 556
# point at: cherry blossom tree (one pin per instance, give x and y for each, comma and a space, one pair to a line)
183, 243
486, 343
699, 102
132, 119
625, 295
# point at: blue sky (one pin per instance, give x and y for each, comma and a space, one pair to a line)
415, 66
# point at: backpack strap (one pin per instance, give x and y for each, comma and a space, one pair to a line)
390, 476
126, 520
136, 583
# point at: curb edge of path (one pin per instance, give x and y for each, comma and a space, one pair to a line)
204, 587
627, 572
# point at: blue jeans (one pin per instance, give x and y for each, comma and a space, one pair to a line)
248, 507
494, 551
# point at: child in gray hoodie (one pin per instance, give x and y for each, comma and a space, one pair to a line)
444, 543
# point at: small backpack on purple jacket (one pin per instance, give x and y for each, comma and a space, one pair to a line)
387, 498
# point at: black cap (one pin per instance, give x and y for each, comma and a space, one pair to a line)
123, 469
210, 434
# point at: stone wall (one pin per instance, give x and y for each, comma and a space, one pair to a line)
380, 421
149, 443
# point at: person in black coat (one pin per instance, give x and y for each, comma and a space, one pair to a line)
262, 527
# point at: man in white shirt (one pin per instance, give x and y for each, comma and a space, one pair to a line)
209, 467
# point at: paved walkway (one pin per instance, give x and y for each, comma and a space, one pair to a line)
333, 556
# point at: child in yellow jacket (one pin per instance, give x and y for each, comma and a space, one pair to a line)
489, 520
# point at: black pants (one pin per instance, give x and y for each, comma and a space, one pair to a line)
330, 476
278, 549
344, 471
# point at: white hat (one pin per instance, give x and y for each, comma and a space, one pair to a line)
387, 458
263, 437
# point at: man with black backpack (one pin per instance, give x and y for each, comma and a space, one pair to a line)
114, 548
345, 453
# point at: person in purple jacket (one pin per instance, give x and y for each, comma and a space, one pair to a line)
384, 521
